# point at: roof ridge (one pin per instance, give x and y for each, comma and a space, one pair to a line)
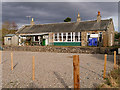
67, 22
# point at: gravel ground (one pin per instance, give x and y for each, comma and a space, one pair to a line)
52, 70
0, 76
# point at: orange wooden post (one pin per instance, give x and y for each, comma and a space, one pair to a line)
76, 72
104, 74
114, 59
0, 57
11, 61
33, 68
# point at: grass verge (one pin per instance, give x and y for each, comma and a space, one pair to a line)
112, 80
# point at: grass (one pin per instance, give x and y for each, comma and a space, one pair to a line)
112, 80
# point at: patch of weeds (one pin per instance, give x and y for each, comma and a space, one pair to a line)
102, 70
112, 80
107, 81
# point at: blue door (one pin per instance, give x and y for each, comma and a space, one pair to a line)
92, 42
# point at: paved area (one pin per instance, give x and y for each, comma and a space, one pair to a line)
52, 70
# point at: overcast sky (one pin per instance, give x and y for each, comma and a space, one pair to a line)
52, 12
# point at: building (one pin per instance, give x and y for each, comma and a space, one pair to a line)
11, 39
80, 33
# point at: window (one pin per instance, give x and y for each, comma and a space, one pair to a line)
55, 37
9, 38
69, 37
60, 36
88, 36
64, 36
100, 36
80, 36
73, 37
36, 38
76, 36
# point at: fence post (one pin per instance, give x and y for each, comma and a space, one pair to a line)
76, 71
105, 61
33, 68
0, 57
11, 61
114, 59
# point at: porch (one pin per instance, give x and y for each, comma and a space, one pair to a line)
34, 39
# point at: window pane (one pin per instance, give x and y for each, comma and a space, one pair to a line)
76, 36
80, 36
69, 36
100, 37
64, 36
76, 33
9, 38
55, 36
60, 36
36, 38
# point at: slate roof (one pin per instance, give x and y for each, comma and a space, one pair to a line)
65, 27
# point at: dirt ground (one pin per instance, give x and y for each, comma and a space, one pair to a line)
52, 70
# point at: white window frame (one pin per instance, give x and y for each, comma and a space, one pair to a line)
66, 37
72, 34
62, 36
58, 37
78, 36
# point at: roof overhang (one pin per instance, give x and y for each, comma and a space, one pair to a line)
33, 34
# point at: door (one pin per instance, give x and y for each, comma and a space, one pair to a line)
94, 41
43, 43
90, 42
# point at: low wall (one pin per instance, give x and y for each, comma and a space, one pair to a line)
61, 49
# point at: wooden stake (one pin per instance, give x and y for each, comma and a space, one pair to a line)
76, 71
0, 57
11, 61
33, 68
114, 59
104, 74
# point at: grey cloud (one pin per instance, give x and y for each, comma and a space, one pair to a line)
61, 1
51, 12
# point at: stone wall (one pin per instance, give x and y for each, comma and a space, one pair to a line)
84, 36
110, 33
61, 49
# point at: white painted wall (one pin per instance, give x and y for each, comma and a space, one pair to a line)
13, 41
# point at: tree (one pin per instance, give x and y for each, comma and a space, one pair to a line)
117, 35
6, 25
8, 28
68, 19
13, 26
9, 25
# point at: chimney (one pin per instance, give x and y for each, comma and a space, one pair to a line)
78, 17
32, 22
98, 17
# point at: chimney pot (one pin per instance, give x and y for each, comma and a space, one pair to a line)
98, 17
98, 13
78, 18
32, 22
32, 19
